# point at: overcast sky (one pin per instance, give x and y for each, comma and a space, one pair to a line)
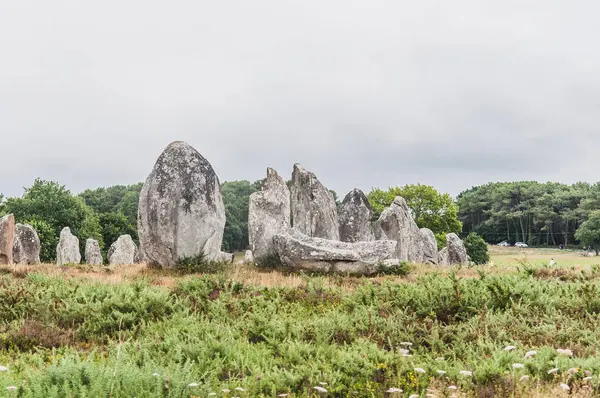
362, 93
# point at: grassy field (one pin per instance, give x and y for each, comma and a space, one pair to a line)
246, 332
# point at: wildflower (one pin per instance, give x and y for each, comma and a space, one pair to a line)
566, 352
573, 370
440, 359
11, 388
404, 351
323, 383
529, 354
441, 372
394, 390
565, 386
509, 348
420, 370
193, 385
588, 372
282, 395
466, 373
320, 389
587, 378
240, 389
226, 391
452, 388
551, 371
518, 366
406, 344
524, 378
413, 396
3, 368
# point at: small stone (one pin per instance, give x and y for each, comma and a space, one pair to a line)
93, 256
123, 252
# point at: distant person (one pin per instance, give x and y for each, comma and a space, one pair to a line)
561, 246
552, 262
232, 257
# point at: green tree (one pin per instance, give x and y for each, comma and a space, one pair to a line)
588, 232
236, 196
114, 225
477, 249
48, 239
53, 204
430, 208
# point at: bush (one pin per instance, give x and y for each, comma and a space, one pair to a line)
401, 269
477, 249
199, 264
269, 261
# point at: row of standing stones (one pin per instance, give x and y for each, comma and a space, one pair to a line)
182, 215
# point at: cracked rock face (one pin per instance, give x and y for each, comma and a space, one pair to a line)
314, 212
269, 214
181, 211
355, 218
27, 245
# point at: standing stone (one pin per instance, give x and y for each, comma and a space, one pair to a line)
27, 245
181, 211
93, 256
123, 251
314, 211
396, 223
428, 247
355, 218
268, 214
248, 257
7, 239
67, 250
455, 252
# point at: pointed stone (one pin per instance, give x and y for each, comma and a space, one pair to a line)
269, 213
355, 218
396, 223
455, 252
314, 211
67, 250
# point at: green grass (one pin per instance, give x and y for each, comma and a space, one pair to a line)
76, 337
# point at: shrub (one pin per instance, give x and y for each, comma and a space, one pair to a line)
269, 261
401, 269
477, 249
199, 264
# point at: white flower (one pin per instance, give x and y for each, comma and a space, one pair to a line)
420, 370
394, 390
587, 378
566, 352
226, 391
466, 373
529, 354
282, 395
573, 370
320, 389
524, 378
441, 372
551, 371
452, 388
3, 368
406, 344
240, 389
518, 366
565, 386
193, 385
155, 374
323, 383
509, 348
440, 359
11, 388
413, 396
403, 351
406, 355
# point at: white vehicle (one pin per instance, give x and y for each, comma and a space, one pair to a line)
521, 244
503, 244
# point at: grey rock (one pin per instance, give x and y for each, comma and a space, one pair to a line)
300, 251
248, 257
7, 239
269, 213
93, 256
396, 223
428, 247
224, 257
314, 211
181, 211
455, 252
355, 218
67, 250
26, 250
123, 252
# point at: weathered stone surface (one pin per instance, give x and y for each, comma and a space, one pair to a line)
123, 252
454, 253
93, 256
7, 239
428, 247
181, 211
26, 250
269, 213
224, 257
248, 257
67, 250
314, 212
397, 224
298, 250
355, 218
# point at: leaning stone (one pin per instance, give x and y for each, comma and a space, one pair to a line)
7, 239
27, 245
314, 211
123, 252
93, 256
181, 211
269, 213
355, 218
300, 251
67, 250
